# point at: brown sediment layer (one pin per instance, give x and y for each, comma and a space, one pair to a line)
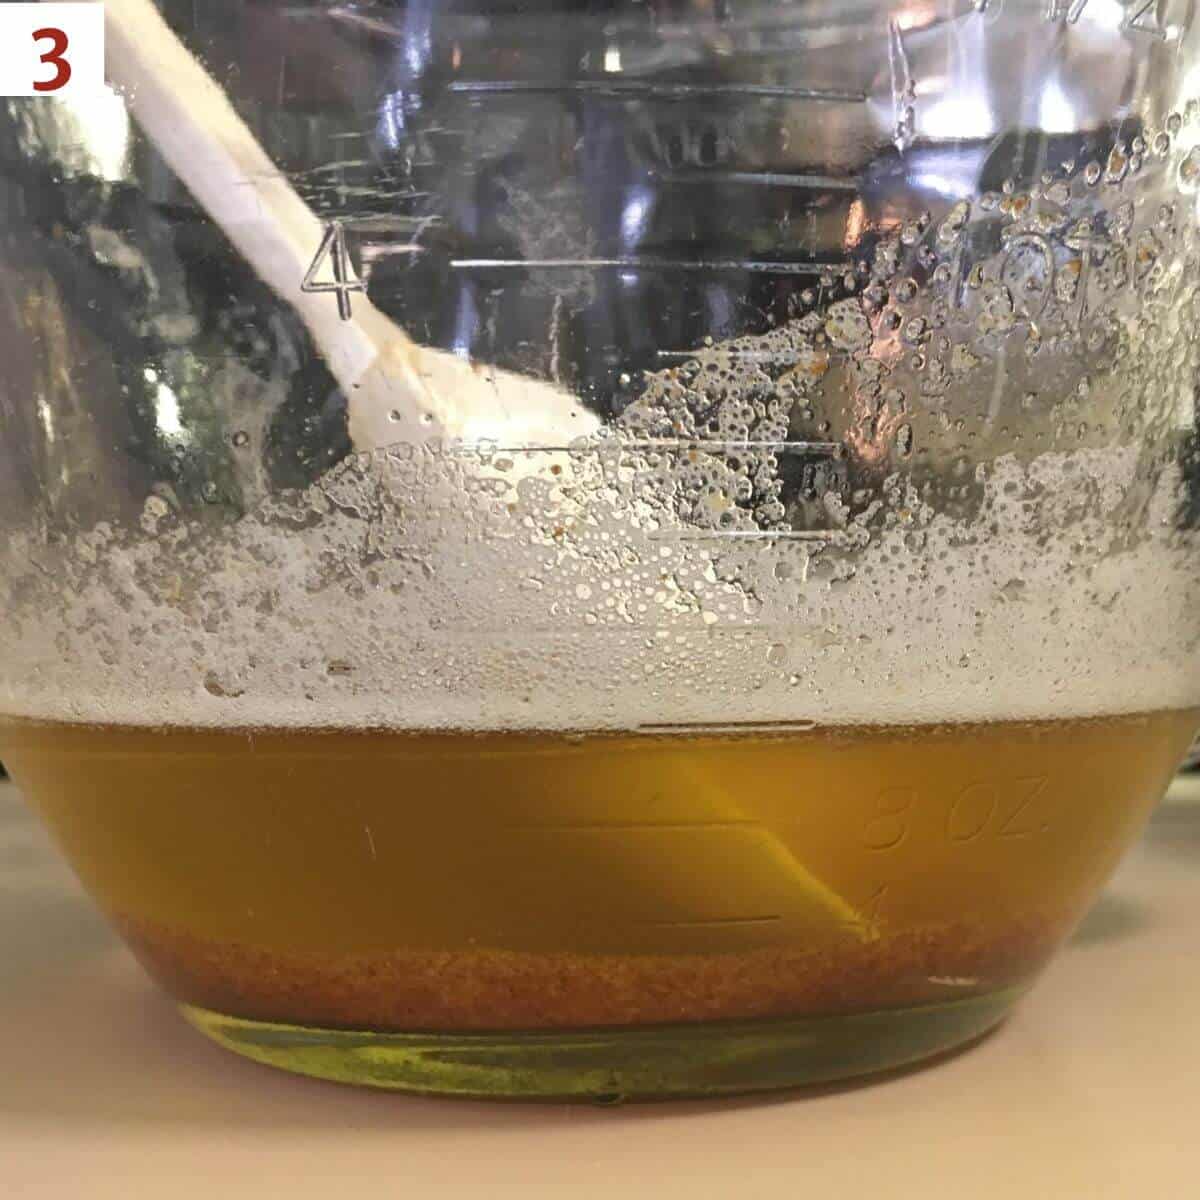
410, 990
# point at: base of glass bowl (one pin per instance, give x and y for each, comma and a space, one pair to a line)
613, 1065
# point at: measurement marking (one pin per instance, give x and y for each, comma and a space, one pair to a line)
631, 827
631, 630
372, 253
790, 447
754, 266
871, 912
384, 223
769, 919
778, 25
650, 264
748, 535
830, 183
367, 24
772, 356
653, 90
332, 168
724, 726
733, 444
333, 247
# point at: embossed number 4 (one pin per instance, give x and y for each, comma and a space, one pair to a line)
333, 247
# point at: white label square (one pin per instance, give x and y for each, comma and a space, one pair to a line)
51, 49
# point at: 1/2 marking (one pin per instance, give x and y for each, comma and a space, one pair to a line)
870, 910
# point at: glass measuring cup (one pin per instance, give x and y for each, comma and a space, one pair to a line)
647, 557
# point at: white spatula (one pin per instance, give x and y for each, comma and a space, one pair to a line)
397, 390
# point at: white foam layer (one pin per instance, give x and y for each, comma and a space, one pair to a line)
1011, 544
416, 590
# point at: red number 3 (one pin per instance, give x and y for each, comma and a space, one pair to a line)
62, 68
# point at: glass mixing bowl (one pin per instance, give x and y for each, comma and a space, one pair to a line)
611, 549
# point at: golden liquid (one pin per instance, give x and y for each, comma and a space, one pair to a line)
356, 843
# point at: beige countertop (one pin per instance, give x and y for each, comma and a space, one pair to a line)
1091, 1090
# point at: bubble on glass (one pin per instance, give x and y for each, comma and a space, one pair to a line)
1059, 192
847, 327
1189, 167
954, 222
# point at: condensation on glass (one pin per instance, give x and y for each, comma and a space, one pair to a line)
646, 372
